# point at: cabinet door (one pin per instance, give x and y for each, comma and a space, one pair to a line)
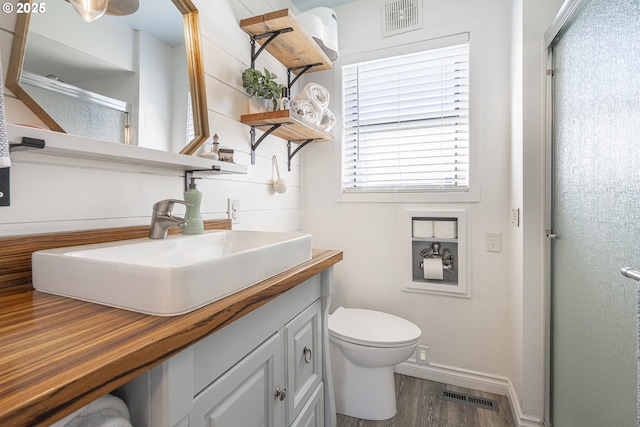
304, 358
244, 396
312, 414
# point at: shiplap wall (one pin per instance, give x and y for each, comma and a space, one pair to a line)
55, 194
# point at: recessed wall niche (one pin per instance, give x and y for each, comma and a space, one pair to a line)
436, 252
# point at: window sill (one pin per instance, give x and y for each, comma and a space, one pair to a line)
433, 197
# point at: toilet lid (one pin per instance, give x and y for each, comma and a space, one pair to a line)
374, 328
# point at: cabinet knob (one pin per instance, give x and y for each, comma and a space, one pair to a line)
306, 351
281, 393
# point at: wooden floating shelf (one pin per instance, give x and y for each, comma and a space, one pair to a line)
294, 128
293, 49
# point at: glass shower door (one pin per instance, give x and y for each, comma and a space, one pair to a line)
596, 215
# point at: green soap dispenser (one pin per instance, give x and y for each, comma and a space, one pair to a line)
194, 220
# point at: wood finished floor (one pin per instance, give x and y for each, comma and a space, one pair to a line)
419, 406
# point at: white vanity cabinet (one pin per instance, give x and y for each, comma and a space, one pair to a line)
268, 368
303, 359
246, 394
274, 381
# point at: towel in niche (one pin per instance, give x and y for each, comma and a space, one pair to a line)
106, 411
307, 110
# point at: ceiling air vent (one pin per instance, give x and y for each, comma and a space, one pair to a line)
401, 16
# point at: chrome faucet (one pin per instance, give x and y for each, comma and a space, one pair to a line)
162, 219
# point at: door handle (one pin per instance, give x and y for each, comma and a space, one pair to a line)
629, 273
306, 352
281, 393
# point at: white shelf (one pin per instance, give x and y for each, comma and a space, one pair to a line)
65, 145
434, 239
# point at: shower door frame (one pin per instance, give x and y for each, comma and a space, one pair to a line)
563, 15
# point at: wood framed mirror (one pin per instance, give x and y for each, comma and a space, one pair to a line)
136, 125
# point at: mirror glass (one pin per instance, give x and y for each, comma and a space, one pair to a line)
135, 79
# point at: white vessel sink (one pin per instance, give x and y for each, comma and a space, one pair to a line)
172, 276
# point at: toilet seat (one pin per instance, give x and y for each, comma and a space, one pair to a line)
372, 328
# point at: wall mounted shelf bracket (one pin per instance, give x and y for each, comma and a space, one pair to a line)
303, 69
272, 36
189, 174
28, 143
291, 154
254, 143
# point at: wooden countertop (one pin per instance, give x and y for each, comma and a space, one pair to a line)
58, 354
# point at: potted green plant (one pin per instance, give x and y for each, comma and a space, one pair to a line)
261, 85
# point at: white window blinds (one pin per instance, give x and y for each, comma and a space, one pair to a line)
191, 132
406, 124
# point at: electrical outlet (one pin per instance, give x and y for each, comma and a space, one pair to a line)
234, 210
422, 355
492, 242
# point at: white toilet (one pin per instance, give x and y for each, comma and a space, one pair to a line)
365, 346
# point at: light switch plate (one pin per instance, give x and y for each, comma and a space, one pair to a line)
492, 242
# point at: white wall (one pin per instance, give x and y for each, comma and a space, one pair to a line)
474, 333
499, 332
155, 121
515, 235
50, 194
536, 18
111, 40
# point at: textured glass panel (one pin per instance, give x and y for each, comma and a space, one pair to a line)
596, 215
78, 117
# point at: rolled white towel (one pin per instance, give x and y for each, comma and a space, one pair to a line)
317, 94
328, 120
106, 411
307, 110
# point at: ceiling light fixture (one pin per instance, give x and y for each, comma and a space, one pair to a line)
90, 10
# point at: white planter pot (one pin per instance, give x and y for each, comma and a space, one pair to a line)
260, 105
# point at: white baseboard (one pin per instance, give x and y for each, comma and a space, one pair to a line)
474, 380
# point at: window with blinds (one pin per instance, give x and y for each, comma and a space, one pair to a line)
190, 131
406, 122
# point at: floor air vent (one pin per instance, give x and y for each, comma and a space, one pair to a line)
467, 399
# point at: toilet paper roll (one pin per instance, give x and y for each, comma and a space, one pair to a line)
422, 228
432, 268
445, 229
